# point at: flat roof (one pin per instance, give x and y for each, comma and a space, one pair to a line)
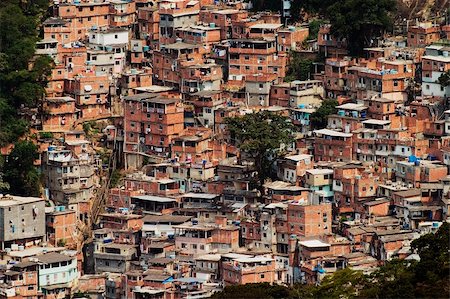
154, 198
200, 195
437, 58
179, 46
53, 257
376, 122
266, 26
209, 257
254, 259
59, 99
13, 200
409, 193
153, 88
166, 218
352, 106
314, 243
298, 158
315, 171
226, 11
332, 133
376, 202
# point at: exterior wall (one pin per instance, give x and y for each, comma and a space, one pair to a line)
309, 220
421, 36
22, 220
61, 227
58, 274
238, 275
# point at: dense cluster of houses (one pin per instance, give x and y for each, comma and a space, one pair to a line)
185, 220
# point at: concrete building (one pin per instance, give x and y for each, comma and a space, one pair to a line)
22, 220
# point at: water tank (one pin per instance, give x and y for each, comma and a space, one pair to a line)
363, 114
21, 248
341, 113
355, 113
212, 25
51, 148
412, 159
301, 106
146, 48
194, 221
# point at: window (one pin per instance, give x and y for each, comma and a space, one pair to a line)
116, 36
262, 276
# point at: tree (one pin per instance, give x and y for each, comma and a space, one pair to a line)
266, 5
432, 271
393, 280
253, 291
444, 79
344, 283
360, 21
261, 136
20, 172
19, 85
319, 118
314, 27
299, 68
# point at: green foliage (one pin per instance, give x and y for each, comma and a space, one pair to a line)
20, 172
19, 84
61, 242
115, 178
261, 136
145, 160
46, 135
432, 271
314, 27
428, 278
253, 291
266, 5
444, 79
299, 68
342, 284
359, 21
87, 128
319, 118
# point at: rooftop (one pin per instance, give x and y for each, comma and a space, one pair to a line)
313, 244
155, 198
332, 133
12, 200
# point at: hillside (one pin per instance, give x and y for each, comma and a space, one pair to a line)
422, 9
